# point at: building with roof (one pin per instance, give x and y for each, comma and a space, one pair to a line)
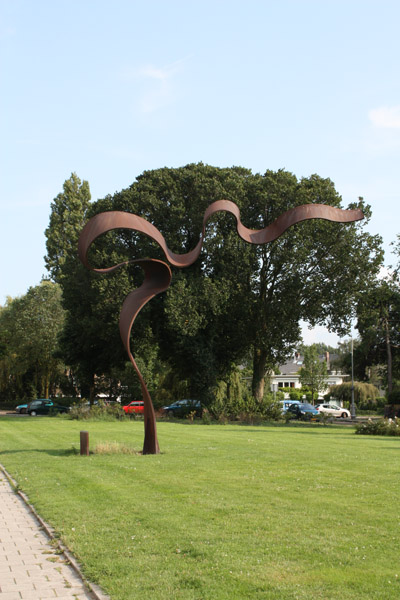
289, 373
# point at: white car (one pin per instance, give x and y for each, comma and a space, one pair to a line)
334, 410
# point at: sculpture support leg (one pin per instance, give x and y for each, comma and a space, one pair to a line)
150, 444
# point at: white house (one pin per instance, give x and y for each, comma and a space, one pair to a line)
289, 373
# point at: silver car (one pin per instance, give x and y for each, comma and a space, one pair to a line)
334, 410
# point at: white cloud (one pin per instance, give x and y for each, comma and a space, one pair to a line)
154, 86
386, 117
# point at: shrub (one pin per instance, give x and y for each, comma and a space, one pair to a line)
296, 394
252, 411
271, 409
218, 407
191, 415
382, 427
293, 393
206, 417
97, 412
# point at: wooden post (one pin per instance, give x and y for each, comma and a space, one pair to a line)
84, 443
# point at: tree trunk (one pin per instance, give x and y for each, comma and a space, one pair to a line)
91, 388
259, 368
389, 357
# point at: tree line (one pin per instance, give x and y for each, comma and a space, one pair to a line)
239, 304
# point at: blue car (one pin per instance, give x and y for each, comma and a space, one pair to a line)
303, 411
181, 408
44, 407
23, 408
286, 403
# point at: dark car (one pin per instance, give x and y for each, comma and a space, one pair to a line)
181, 408
44, 407
21, 409
303, 411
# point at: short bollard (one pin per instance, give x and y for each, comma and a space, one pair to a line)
84, 443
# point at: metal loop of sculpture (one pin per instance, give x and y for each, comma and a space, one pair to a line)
158, 274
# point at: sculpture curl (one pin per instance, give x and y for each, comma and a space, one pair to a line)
158, 274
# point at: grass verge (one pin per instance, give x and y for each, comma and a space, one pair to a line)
225, 512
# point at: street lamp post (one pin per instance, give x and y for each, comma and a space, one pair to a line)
353, 406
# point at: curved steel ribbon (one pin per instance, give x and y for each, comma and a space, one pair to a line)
108, 221
158, 274
157, 278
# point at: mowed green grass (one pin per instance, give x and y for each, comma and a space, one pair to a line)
224, 512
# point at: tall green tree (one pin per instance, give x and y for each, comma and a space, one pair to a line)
314, 372
200, 323
68, 215
313, 272
378, 323
29, 330
89, 342
69, 212
238, 297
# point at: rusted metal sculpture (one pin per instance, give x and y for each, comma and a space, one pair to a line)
158, 274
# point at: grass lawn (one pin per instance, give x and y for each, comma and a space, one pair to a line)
225, 512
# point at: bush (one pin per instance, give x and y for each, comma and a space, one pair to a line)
97, 412
206, 417
218, 408
271, 409
245, 409
294, 393
382, 427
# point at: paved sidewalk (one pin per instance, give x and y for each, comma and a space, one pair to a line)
30, 567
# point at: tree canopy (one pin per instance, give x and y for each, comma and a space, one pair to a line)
237, 298
29, 330
67, 217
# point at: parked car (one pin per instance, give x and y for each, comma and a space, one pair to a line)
181, 408
44, 407
334, 410
21, 408
286, 403
303, 411
136, 406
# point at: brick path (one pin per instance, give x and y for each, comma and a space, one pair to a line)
30, 567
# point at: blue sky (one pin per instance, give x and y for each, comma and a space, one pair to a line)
108, 89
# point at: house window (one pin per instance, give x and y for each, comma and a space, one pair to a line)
281, 384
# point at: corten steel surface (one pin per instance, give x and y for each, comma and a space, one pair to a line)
158, 274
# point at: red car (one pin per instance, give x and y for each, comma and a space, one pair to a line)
137, 406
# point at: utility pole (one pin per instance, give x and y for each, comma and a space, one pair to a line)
353, 406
